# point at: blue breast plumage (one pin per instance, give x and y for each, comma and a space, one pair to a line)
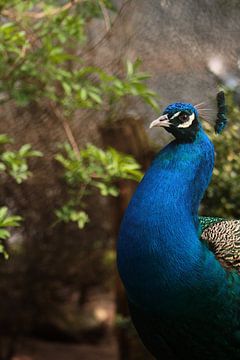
183, 302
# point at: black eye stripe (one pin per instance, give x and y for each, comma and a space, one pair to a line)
180, 115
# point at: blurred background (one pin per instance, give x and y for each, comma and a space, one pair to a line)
80, 82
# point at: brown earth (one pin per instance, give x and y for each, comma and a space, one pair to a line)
41, 350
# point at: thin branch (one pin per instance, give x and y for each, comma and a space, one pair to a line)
42, 14
70, 137
107, 33
32, 41
32, 38
105, 15
66, 127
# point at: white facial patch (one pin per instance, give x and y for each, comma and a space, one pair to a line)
175, 115
187, 123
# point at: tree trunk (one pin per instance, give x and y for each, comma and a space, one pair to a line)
129, 136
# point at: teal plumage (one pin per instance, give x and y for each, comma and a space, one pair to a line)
183, 302
207, 221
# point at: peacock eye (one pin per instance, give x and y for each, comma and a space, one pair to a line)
183, 117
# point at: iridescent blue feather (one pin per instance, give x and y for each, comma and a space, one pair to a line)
184, 303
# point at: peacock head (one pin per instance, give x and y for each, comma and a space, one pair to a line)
181, 120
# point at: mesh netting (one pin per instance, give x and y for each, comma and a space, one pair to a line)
187, 46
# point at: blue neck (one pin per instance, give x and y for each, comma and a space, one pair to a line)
179, 177
159, 241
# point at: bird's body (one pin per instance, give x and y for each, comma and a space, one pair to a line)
183, 302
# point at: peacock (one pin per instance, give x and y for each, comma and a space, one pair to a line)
180, 270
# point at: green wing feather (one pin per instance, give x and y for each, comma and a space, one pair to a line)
206, 221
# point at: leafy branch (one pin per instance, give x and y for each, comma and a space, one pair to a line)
37, 52
40, 62
93, 169
7, 221
13, 164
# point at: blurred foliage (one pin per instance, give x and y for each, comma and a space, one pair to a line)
42, 49
133, 84
43, 45
42, 59
223, 194
14, 164
7, 221
93, 168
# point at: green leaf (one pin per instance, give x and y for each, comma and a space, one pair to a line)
11, 221
83, 94
95, 97
67, 213
93, 168
113, 191
2, 167
4, 234
3, 251
5, 139
130, 68
3, 213
24, 150
67, 88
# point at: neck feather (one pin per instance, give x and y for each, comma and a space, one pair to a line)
159, 241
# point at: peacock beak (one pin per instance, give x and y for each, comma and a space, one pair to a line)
162, 121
